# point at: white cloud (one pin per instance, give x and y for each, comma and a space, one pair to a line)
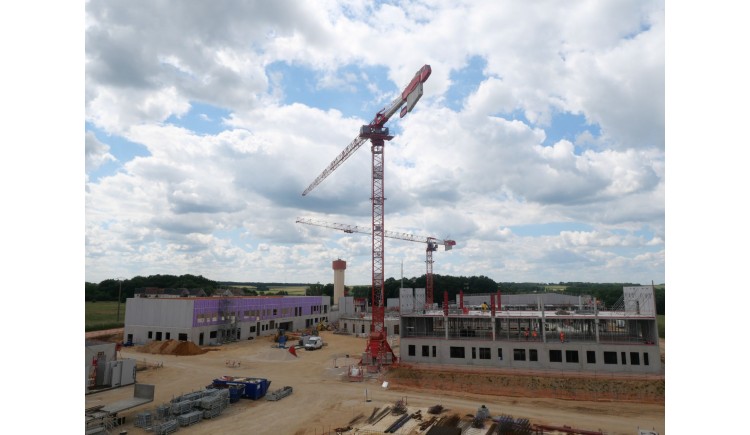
97, 153
223, 205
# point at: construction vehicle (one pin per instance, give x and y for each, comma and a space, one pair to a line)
313, 343
378, 351
432, 246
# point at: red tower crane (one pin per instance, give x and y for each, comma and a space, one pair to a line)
378, 350
432, 245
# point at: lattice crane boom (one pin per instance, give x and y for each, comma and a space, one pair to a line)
378, 350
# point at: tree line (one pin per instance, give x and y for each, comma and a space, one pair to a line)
608, 293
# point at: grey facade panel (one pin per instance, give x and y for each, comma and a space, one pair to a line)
484, 354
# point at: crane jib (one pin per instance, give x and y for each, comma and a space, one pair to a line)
409, 96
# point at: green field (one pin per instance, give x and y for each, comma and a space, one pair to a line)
660, 324
103, 315
292, 290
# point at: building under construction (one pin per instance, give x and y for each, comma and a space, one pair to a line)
537, 332
216, 320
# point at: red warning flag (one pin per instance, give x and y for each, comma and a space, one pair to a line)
293, 351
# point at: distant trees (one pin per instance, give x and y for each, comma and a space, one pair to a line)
608, 293
108, 289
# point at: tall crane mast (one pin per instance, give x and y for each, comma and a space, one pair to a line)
378, 350
432, 246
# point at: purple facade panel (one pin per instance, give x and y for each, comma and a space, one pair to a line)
207, 311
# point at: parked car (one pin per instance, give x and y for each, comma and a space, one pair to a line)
314, 343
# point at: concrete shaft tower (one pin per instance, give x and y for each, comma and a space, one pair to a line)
339, 266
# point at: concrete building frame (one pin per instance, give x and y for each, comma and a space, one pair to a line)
624, 340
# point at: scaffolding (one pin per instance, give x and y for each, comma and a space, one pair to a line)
228, 331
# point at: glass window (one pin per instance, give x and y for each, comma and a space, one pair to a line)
591, 356
610, 357
412, 350
533, 355
457, 352
555, 356
425, 350
571, 356
635, 358
484, 353
519, 354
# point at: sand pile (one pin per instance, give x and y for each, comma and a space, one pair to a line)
172, 347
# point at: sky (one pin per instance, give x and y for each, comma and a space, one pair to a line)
538, 146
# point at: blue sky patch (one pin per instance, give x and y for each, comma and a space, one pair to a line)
122, 149
568, 126
202, 119
464, 82
347, 90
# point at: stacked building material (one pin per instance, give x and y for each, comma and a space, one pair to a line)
190, 418
279, 394
163, 411
166, 427
143, 419
184, 406
215, 404
215, 400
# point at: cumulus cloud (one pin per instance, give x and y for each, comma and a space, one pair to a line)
223, 204
97, 153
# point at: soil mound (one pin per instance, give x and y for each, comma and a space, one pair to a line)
172, 347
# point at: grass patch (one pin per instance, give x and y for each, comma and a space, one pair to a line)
660, 324
291, 290
103, 315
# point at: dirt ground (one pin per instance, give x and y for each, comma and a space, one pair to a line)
324, 399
